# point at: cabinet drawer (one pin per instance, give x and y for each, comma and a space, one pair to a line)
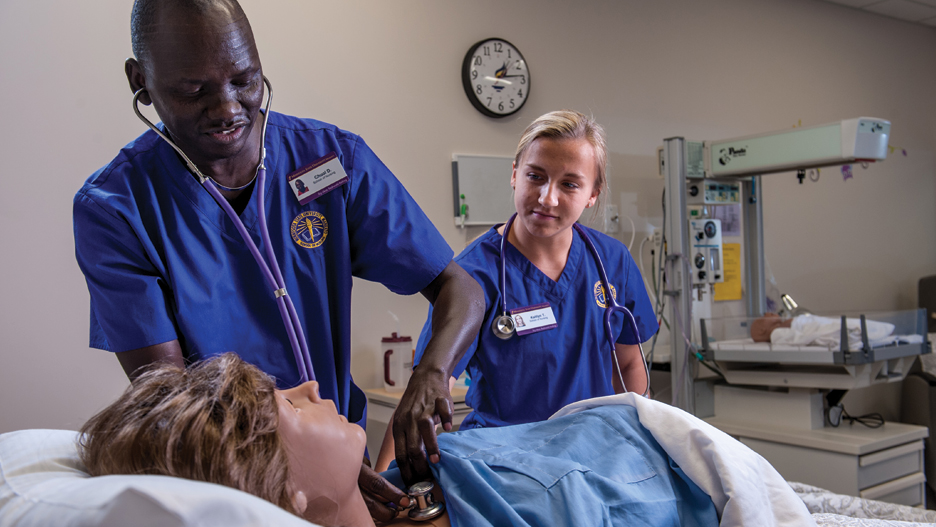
890, 464
908, 490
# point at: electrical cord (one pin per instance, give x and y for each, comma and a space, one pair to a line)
633, 233
643, 273
837, 414
659, 303
681, 380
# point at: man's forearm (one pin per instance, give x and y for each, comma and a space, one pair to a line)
134, 361
457, 312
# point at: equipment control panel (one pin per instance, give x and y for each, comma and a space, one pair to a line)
706, 254
708, 192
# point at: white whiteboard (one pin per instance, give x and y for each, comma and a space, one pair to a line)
485, 183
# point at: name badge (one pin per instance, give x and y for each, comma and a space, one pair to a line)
318, 178
532, 319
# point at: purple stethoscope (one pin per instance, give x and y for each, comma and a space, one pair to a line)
274, 279
504, 326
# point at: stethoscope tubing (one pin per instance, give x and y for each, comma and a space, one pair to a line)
503, 266
612, 307
274, 278
304, 358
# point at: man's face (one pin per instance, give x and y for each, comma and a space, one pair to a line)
204, 77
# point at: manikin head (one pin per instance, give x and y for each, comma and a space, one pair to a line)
223, 421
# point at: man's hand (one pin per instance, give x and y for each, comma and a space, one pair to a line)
378, 492
457, 310
425, 403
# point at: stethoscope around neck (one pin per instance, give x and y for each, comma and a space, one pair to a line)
504, 326
269, 267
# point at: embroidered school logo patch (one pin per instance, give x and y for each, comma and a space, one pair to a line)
600, 294
309, 229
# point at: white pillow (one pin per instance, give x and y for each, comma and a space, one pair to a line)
42, 483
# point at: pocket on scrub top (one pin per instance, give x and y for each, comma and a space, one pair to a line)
545, 471
611, 449
578, 443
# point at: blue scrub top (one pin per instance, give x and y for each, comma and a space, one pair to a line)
163, 261
528, 378
596, 467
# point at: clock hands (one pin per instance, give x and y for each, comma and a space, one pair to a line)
493, 88
501, 74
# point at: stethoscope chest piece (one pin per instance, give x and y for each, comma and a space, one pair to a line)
504, 327
424, 508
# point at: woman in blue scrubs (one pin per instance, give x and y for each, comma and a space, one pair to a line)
558, 172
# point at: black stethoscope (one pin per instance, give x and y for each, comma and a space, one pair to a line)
504, 326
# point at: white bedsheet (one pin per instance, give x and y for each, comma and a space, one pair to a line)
745, 488
812, 330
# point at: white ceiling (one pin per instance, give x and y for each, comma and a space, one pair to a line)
920, 11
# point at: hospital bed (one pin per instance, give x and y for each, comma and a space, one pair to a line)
781, 399
840, 365
42, 482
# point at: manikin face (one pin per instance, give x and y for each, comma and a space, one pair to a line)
325, 450
764, 326
203, 76
554, 182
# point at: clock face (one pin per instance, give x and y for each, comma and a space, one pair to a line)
496, 77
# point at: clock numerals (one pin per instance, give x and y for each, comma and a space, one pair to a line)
496, 78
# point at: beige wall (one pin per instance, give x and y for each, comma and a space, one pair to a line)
389, 71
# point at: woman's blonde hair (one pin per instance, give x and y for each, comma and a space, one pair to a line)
215, 421
569, 124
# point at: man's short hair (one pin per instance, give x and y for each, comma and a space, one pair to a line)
145, 14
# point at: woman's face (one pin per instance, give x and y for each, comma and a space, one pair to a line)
554, 182
325, 450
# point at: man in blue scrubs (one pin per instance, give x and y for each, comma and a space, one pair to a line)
171, 280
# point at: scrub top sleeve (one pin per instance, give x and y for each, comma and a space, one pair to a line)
392, 240
637, 301
129, 306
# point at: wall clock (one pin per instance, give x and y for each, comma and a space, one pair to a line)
496, 77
